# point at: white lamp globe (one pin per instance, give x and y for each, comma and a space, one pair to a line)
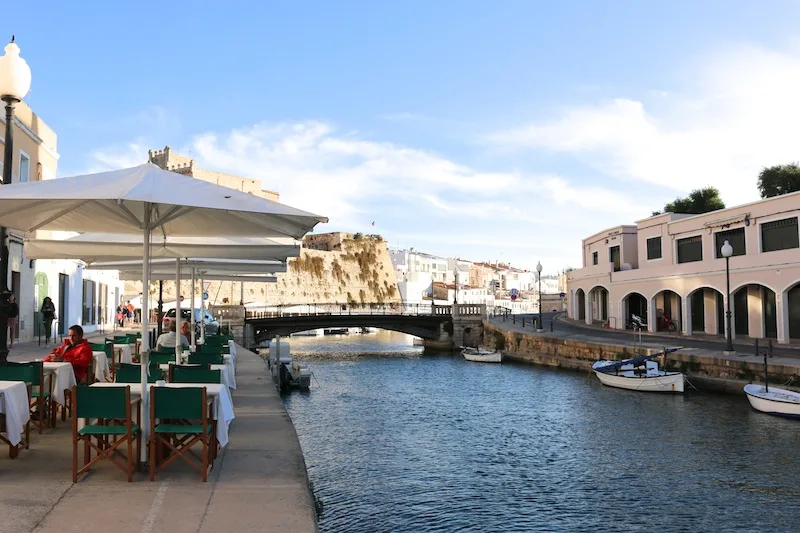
15, 74
539, 267
727, 249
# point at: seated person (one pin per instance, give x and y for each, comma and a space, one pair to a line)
167, 340
185, 329
75, 350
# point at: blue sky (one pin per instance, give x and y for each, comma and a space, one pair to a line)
487, 130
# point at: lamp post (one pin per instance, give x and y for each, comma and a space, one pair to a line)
727, 252
15, 80
455, 294
539, 278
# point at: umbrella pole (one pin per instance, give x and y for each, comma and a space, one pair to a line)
202, 309
144, 356
178, 317
192, 343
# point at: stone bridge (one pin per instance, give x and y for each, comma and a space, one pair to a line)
435, 323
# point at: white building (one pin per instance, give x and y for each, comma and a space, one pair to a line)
80, 297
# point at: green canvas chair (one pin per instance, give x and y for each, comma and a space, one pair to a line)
194, 374
184, 418
110, 411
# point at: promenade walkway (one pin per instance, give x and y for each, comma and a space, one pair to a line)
259, 482
784, 355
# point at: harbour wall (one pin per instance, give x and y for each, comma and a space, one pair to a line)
704, 371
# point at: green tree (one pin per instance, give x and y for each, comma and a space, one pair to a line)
699, 201
780, 179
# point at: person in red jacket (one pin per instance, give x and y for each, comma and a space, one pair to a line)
75, 350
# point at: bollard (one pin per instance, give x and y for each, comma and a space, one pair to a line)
513, 319
770, 348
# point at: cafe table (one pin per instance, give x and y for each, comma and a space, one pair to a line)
101, 370
62, 378
14, 405
223, 404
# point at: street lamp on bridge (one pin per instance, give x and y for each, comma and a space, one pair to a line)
15, 80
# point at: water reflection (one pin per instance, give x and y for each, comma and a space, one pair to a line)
398, 440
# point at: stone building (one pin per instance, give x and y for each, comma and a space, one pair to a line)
181, 164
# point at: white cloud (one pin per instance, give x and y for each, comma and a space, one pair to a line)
738, 114
343, 176
124, 155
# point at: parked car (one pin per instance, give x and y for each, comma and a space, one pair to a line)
212, 325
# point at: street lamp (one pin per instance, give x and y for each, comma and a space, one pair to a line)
727, 252
15, 80
455, 294
539, 277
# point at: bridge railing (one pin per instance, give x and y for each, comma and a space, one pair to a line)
318, 309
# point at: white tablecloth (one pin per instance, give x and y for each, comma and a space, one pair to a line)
14, 404
225, 374
223, 404
101, 370
232, 347
126, 356
63, 378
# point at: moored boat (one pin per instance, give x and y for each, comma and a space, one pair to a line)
773, 401
639, 373
479, 355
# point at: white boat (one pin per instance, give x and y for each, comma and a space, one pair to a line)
479, 355
639, 373
773, 401
287, 373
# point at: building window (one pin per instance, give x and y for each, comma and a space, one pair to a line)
594, 258
690, 249
24, 167
654, 248
614, 257
736, 239
779, 235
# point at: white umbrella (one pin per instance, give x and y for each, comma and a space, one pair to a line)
143, 200
94, 247
210, 265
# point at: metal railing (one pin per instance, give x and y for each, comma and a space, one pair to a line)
349, 309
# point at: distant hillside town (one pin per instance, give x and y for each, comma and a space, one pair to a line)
422, 277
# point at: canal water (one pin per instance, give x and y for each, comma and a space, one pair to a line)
400, 441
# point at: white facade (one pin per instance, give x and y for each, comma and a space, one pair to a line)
85, 297
413, 286
412, 261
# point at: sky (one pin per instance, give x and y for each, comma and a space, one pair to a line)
492, 131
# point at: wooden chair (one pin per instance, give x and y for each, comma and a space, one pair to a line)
194, 374
132, 373
206, 358
162, 358
170, 406
111, 409
40, 397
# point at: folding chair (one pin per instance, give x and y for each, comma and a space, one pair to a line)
132, 373
171, 407
40, 399
205, 358
111, 408
194, 374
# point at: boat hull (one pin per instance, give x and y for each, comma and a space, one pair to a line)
778, 402
671, 382
494, 357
